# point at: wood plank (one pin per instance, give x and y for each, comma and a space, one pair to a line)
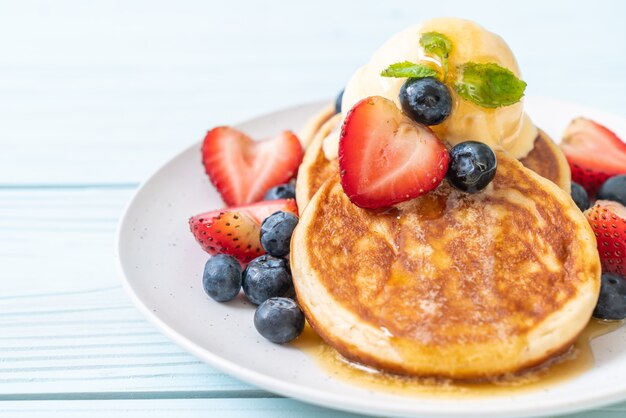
202, 408
65, 323
189, 408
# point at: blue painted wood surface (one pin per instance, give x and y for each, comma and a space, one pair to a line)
95, 96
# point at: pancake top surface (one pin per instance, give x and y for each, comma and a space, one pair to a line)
451, 267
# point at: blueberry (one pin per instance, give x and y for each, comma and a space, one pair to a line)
426, 100
267, 277
472, 166
276, 231
282, 191
612, 301
338, 102
614, 189
222, 277
580, 197
280, 320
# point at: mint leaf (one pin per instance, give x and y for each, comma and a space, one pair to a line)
488, 85
438, 45
409, 70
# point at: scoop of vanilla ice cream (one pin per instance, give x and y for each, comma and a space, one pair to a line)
508, 127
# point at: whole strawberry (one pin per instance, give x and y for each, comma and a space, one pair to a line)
608, 221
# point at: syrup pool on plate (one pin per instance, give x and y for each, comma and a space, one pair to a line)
577, 360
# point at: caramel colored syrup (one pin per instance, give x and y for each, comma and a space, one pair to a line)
578, 359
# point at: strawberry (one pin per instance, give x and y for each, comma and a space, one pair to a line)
231, 233
236, 231
594, 153
242, 170
261, 210
385, 157
608, 221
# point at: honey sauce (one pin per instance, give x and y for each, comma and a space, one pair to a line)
578, 359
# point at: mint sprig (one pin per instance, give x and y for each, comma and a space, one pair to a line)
439, 46
485, 84
408, 69
488, 85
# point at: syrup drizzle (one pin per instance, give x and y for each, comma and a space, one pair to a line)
578, 359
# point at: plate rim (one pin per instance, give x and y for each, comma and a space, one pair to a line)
319, 397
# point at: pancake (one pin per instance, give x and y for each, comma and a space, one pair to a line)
313, 125
454, 285
546, 159
315, 169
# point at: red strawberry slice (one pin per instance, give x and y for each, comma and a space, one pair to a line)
385, 157
594, 153
242, 170
231, 233
608, 221
261, 210
236, 231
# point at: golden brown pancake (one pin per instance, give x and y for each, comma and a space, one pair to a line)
313, 125
463, 286
315, 168
545, 158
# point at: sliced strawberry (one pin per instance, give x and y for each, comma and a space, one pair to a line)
231, 233
236, 231
594, 153
261, 210
608, 221
387, 158
242, 170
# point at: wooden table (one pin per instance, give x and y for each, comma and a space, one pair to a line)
95, 95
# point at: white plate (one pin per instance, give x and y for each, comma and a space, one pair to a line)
162, 269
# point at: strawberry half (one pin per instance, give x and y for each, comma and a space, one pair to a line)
594, 153
236, 231
608, 221
242, 170
231, 233
385, 157
261, 210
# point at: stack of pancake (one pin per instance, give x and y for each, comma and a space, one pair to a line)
454, 285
